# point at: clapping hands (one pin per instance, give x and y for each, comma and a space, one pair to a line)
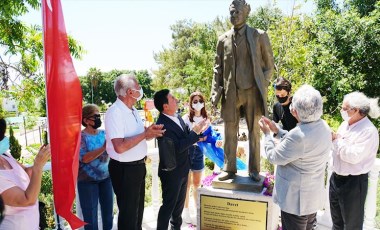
201, 126
267, 125
154, 131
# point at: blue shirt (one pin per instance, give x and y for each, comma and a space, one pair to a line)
97, 169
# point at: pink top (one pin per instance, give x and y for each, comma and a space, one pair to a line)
17, 217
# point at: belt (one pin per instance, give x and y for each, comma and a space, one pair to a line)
138, 162
348, 176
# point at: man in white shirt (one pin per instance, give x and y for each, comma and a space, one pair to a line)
126, 144
355, 146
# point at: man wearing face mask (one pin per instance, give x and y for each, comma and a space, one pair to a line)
127, 147
354, 152
281, 111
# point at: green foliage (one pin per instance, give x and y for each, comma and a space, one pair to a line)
346, 51
98, 87
14, 147
209, 164
21, 59
266, 166
188, 64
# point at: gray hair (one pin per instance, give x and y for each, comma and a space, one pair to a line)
307, 101
365, 105
124, 82
245, 6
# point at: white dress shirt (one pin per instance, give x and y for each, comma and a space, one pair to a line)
354, 151
120, 122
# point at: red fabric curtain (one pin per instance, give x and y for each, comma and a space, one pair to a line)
64, 107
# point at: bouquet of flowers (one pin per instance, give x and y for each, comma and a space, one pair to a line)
207, 181
268, 184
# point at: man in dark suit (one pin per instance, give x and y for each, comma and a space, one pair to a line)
242, 72
174, 159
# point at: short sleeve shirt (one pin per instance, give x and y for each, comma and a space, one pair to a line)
123, 122
17, 217
97, 169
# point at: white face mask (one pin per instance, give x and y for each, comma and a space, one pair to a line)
344, 115
199, 106
141, 94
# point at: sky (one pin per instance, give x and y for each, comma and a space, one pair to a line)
124, 34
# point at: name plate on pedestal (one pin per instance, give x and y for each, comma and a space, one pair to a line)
229, 214
220, 209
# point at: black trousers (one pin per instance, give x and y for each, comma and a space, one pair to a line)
173, 200
294, 222
128, 182
347, 197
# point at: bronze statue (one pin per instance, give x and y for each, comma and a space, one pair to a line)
242, 72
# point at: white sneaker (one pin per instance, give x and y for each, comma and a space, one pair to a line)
186, 216
194, 221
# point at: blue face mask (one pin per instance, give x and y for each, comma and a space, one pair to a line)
4, 145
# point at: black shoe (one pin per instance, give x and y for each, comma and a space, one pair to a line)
226, 175
255, 176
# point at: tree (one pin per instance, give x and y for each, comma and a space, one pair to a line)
98, 87
14, 146
21, 61
188, 63
346, 51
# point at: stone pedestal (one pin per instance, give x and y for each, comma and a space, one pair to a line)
235, 210
241, 182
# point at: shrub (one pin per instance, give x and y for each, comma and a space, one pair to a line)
15, 147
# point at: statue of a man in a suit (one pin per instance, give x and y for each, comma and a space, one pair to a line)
242, 72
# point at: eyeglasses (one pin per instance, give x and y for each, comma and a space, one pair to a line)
196, 101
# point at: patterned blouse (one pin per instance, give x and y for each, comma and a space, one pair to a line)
97, 169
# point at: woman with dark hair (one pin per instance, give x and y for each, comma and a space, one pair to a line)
94, 182
197, 113
209, 145
20, 186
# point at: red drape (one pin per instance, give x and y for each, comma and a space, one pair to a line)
64, 107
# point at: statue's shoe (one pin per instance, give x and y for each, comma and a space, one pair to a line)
255, 176
226, 175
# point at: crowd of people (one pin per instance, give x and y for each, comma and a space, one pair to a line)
112, 161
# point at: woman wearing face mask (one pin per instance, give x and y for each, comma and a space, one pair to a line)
197, 113
281, 111
94, 183
210, 146
20, 186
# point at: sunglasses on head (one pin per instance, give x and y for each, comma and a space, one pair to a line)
196, 101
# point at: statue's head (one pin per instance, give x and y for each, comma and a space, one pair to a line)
239, 11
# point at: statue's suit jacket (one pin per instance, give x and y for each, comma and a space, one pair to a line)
301, 159
224, 70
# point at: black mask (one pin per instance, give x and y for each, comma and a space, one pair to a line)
97, 123
282, 99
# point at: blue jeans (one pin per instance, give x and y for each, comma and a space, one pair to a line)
90, 193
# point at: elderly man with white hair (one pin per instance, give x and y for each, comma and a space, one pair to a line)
301, 157
355, 146
127, 147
